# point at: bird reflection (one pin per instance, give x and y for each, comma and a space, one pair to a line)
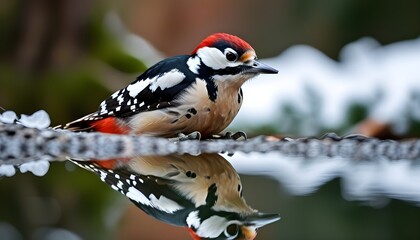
202, 193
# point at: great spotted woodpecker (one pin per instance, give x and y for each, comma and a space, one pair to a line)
202, 193
183, 94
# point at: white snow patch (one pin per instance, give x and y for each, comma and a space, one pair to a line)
7, 170
8, 117
39, 119
38, 168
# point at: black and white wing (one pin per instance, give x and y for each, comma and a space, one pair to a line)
154, 195
156, 88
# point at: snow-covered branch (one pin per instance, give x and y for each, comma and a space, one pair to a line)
301, 164
20, 144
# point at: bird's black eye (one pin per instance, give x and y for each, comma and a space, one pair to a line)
231, 56
232, 230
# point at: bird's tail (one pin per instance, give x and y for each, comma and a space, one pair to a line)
93, 123
83, 124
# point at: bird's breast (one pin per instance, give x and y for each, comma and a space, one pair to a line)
193, 111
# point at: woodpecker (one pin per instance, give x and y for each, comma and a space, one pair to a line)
200, 92
202, 193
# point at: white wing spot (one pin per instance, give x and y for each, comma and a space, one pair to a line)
138, 86
167, 80
165, 204
120, 99
103, 176
115, 94
135, 195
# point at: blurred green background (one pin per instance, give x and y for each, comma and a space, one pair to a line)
61, 57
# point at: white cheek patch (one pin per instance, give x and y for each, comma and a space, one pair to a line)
212, 227
214, 58
167, 80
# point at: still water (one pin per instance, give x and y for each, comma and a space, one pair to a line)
316, 198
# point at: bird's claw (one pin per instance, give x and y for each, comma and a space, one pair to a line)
232, 136
238, 135
184, 137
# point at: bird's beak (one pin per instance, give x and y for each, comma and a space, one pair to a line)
261, 219
258, 67
255, 221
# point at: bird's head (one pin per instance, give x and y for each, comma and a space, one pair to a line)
223, 57
228, 225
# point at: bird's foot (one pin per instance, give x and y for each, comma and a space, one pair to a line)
237, 136
184, 137
240, 135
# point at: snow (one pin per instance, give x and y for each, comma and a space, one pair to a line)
39, 119
7, 170
38, 168
368, 181
297, 175
385, 79
8, 117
